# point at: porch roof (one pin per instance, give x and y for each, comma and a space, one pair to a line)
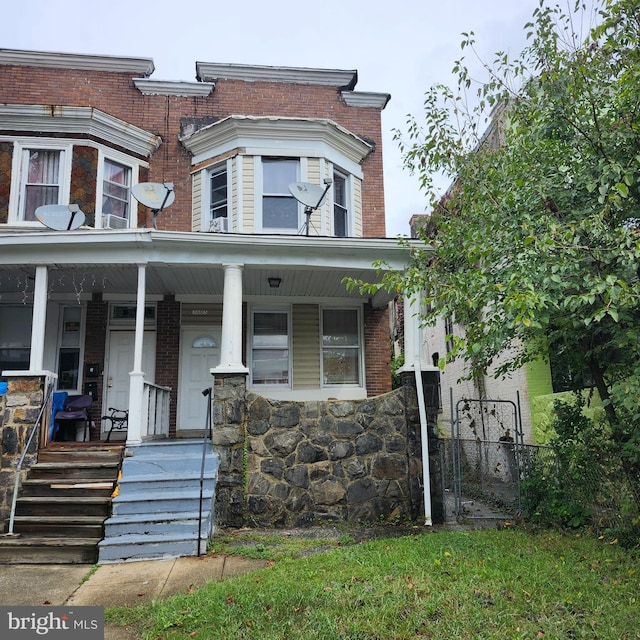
189, 265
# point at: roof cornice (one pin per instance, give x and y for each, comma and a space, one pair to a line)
55, 60
78, 120
211, 71
149, 87
246, 131
365, 99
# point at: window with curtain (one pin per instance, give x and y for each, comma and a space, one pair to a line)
42, 180
340, 208
279, 207
340, 346
116, 190
270, 348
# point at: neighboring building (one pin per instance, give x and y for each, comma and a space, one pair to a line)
233, 284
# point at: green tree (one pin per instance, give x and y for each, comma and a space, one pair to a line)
535, 248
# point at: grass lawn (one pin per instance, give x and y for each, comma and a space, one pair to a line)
469, 585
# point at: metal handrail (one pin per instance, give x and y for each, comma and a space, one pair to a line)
16, 484
208, 433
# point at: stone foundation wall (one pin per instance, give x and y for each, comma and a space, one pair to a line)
305, 463
19, 410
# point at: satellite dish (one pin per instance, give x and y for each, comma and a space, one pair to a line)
60, 217
310, 195
154, 195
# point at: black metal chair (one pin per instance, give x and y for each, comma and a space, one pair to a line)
119, 419
75, 408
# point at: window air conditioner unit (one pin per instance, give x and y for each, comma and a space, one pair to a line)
109, 221
219, 225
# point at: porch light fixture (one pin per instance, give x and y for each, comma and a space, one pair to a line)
274, 283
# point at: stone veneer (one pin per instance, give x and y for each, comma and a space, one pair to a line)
19, 410
302, 463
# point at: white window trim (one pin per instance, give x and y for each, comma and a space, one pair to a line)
205, 180
258, 193
269, 309
361, 359
350, 203
83, 326
127, 161
20, 147
20, 144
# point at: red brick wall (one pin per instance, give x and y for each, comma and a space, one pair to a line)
6, 155
94, 345
168, 344
377, 350
116, 94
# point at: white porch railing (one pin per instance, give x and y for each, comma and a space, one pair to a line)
155, 411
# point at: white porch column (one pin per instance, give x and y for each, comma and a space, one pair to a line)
231, 341
36, 359
412, 345
136, 377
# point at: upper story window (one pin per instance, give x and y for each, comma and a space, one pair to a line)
42, 178
340, 206
116, 195
279, 207
218, 199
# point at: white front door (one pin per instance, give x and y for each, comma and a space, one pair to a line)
120, 363
199, 353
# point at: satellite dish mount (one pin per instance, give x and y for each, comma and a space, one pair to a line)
311, 196
154, 195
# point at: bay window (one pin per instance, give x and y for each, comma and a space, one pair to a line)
340, 207
116, 194
279, 207
42, 175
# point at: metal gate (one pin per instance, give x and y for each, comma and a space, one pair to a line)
486, 446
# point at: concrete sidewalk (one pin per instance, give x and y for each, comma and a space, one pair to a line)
112, 585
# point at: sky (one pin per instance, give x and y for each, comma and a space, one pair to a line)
401, 48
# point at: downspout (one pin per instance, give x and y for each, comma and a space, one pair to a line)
412, 348
424, 437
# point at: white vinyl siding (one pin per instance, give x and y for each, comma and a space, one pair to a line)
196, 202
356, 187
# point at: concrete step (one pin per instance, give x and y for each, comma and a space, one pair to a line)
186, 447
152, 483
185, 523
148, 547
161, 502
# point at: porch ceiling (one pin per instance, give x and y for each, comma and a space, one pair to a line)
192, 264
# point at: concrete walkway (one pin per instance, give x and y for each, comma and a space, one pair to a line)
112, 585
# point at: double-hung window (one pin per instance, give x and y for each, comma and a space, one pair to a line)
340, 206
42, 180
279, 207
270, 348
116, 195
341, 347
218, 198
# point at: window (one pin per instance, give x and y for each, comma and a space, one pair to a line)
116, 189
279, 207
340, 346
69, 352
218, 197
270, 348
15, 337
448, 331
340, 209
42, 179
